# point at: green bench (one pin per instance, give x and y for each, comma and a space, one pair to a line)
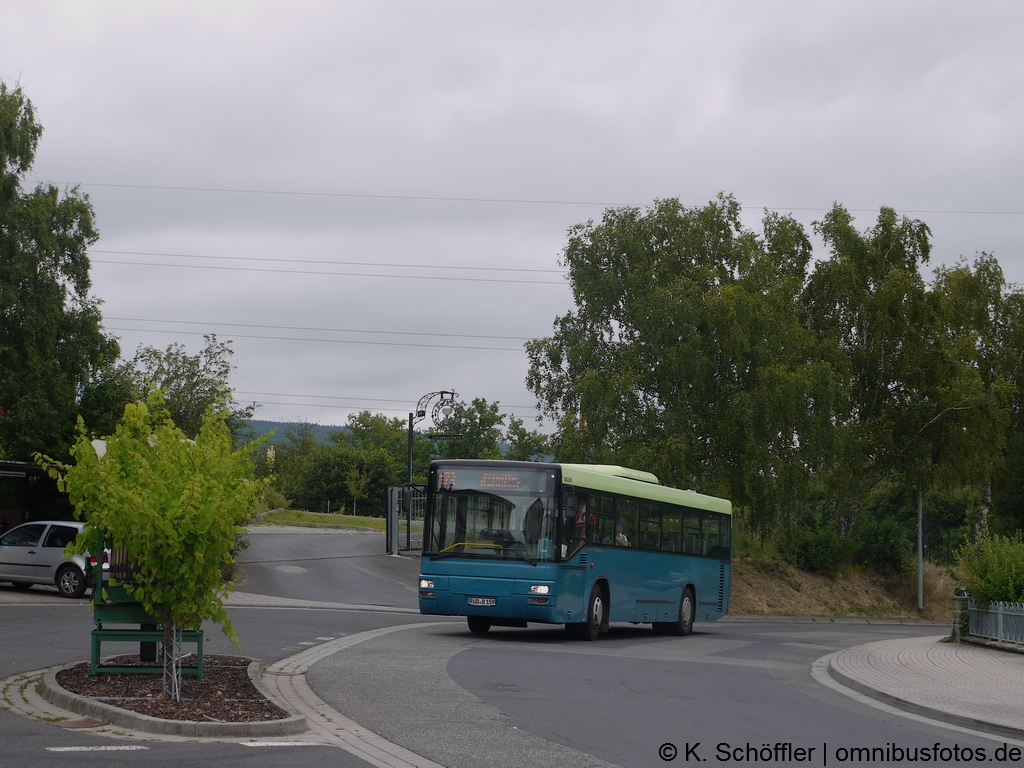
113, 605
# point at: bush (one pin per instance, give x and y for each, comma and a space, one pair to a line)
993, 569
821, 550
882, 545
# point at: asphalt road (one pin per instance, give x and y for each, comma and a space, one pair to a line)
329, 566
513, 697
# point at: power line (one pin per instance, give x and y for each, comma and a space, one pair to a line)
406, 403
293, 193
515, 201
337, 263
325, 341
335, 274
325, 330
344, 397
348, 408
318, 405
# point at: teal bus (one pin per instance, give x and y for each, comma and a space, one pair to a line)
511, 542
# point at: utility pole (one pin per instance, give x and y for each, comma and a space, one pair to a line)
920, 549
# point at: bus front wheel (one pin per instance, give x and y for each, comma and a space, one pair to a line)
591, 628
478, 624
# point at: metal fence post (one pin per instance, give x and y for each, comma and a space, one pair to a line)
390, 524
999, 613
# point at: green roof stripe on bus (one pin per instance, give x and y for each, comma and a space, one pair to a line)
616, 471
603, 477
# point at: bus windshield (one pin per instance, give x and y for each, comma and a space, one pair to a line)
503, 513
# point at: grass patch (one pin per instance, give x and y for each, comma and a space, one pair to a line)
300, 517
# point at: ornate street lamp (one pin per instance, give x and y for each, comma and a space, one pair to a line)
442, 409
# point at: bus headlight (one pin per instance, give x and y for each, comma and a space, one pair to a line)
540, 589
426, 583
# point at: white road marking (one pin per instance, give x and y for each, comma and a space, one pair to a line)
282, 744
95, 749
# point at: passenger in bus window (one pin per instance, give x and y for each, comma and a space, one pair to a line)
620, 537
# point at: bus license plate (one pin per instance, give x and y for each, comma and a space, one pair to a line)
482, 602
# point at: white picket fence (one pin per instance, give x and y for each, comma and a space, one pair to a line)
1000, 621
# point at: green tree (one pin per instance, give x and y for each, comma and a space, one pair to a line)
176, 506
686, 355
900, 388
342, 474
51, 343
192, 384
977, 310
524, 444
356, 481
367, 430
480, 425
1008, 491
292, 460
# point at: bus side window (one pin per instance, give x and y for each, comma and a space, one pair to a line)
602, 521
626, 514
671, 529
650, 526
691, 532
717, 545
709, 531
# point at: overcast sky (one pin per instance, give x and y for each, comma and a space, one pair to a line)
336, 187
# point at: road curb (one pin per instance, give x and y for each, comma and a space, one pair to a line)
295, 723
920, 709
872, 620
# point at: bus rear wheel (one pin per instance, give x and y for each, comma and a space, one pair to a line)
684, 624
478, 624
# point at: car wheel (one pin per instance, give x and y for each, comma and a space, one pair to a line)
478, 624
70, 581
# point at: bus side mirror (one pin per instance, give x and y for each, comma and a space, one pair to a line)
570, 506
406, 500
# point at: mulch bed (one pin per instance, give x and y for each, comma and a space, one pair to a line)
225, 694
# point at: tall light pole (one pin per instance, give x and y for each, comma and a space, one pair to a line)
443, 408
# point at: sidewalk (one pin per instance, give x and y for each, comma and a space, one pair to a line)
965, 685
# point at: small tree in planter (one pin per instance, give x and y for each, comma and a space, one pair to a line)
175, 505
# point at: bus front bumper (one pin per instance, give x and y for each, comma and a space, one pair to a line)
494, 598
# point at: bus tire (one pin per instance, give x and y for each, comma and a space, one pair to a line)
683, 625
591, 628
478, 624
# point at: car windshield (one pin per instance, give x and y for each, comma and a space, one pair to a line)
500, 513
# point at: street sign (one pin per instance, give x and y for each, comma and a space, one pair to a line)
446, 437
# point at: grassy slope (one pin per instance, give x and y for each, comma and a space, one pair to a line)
775, 588
298, 517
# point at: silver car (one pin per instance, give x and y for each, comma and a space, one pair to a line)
33, 553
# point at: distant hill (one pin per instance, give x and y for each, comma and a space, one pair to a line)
260, 427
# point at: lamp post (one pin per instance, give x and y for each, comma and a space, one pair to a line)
444, 407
